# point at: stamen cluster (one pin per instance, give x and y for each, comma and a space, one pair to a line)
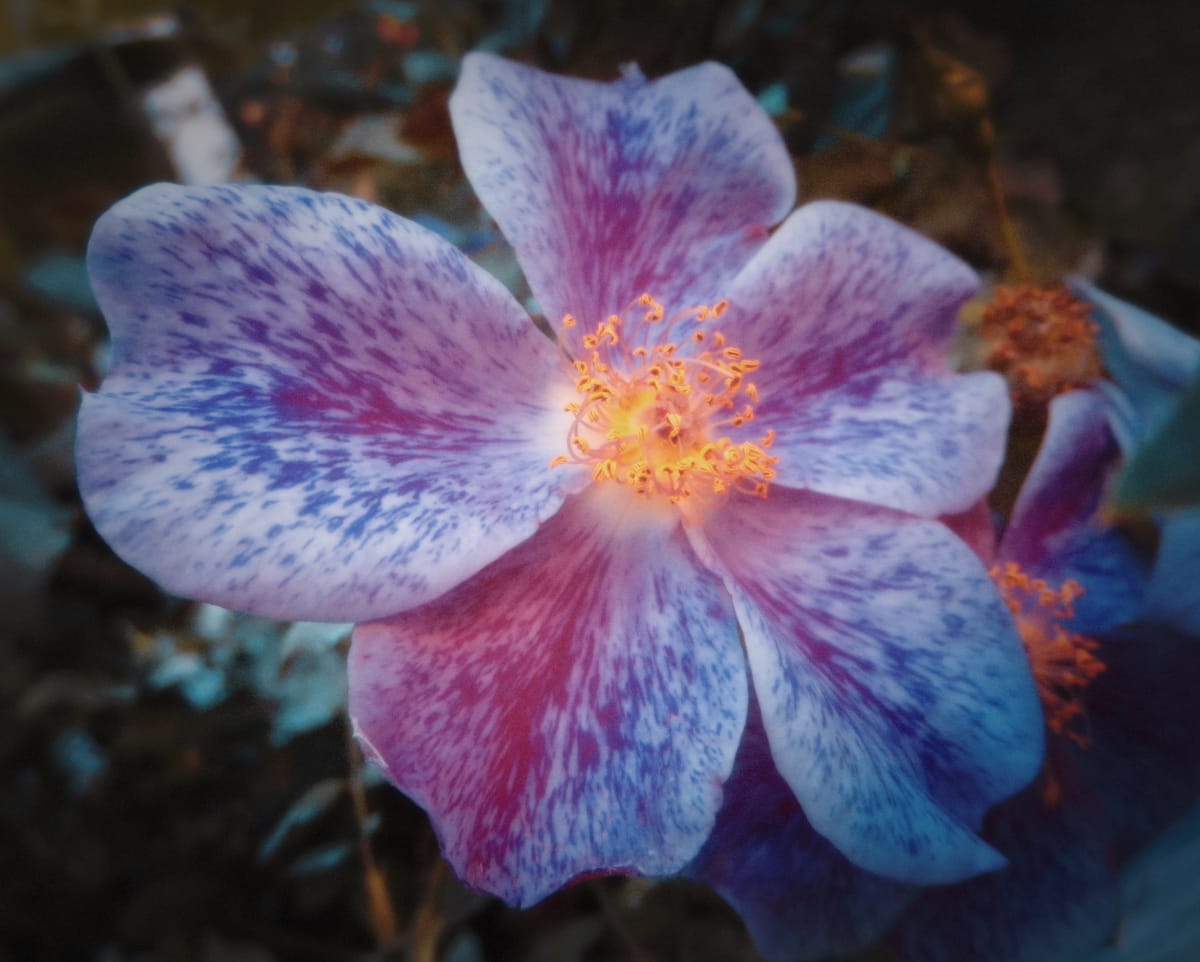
1042, 340
1063, 662
649, 417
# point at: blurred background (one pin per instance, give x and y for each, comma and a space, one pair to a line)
176, 781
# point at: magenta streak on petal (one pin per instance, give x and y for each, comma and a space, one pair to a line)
894, 689
572, 709
977, 529
607, 191
316, 409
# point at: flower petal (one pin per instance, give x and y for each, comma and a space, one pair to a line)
1056, 531
929, 445
799, 897
839, 290
607, 191
1063, 489
575, 708
894, 689
1142, 716
309, 404
1056, 899
977, 528
850, 315
1173, 597
1151, 360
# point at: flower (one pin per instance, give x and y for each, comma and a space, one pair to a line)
1153, 365
1121, 759
570, 562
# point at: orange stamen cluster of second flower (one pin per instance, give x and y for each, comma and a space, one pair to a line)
1042, 340
649, 416
1063, 662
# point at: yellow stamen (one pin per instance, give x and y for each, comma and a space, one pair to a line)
646, 418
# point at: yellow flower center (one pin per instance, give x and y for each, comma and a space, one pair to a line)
652, 417
1063, 662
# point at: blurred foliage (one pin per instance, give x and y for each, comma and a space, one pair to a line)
25, 24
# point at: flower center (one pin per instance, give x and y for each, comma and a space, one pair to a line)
1042, 340
652, 417
1063, 662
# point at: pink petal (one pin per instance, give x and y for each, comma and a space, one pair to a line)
611, 190
316, 409
574, 708
1064, 488
850, 315
977, 528
894, 689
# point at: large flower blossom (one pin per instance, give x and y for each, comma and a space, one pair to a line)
570, 561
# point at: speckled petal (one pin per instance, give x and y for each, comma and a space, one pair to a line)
850, 315
607, 191
800, 898
573, 709
316, 409
894, 689
928, 445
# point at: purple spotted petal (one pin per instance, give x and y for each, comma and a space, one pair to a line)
850, 315
1056, 899
894, 689
611, 190
799, 897
575, 708
316, 409
1057, 531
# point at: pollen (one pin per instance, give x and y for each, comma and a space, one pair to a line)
1042, 340
1064, 662
655, 414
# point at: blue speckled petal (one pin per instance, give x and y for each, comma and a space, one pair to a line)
850, 315
607, 191
575, 708
929, 445
894, 688
316, 409
800, 898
